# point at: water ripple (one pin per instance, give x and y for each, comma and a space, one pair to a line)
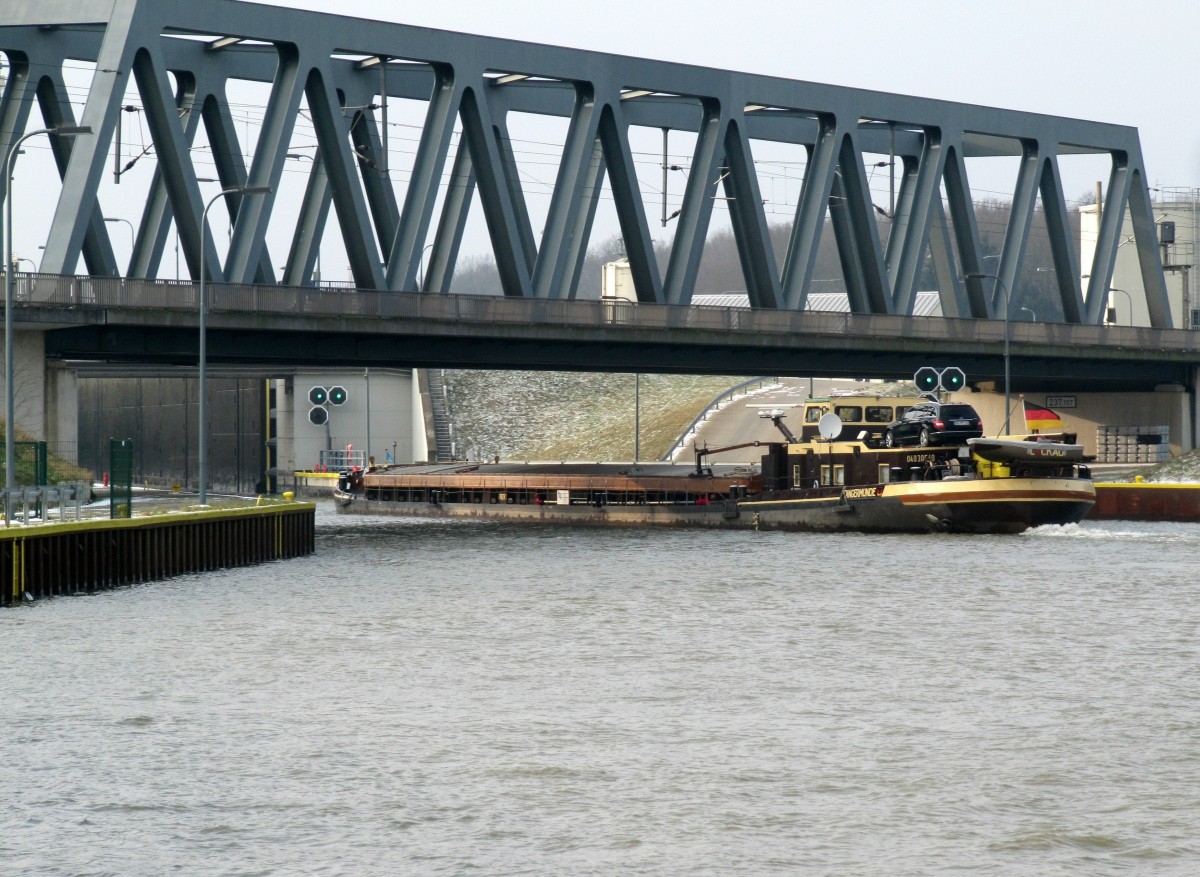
427, 697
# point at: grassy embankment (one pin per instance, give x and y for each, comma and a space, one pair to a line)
573, 416
58, 471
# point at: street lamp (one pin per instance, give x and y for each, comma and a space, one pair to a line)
296, 156
421, 265
1128, 300
132, 234
9, 473
203, 420
977, 275
1030, 311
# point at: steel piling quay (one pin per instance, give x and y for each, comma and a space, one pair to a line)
89, 556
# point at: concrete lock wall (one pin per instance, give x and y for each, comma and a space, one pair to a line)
387, 392
1086, 412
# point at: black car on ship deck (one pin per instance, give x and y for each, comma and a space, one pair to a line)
934, 423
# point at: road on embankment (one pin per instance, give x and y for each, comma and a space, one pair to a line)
739, 421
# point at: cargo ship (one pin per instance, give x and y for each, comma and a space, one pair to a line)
818, 484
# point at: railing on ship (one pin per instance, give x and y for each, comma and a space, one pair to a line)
55, 292
342, 460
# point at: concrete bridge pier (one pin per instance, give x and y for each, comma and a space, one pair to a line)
46, 397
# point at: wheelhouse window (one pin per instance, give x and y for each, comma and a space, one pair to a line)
835, 475
879, 414
849, 413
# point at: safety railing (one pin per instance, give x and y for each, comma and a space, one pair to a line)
49, 504
32, 291
341, 460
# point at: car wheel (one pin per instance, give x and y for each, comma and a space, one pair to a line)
889, 440
925, 437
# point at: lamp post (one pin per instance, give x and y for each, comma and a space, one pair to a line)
9, 462
296, 156
1032, 313
203, 390
421, 265
637, 417
132, 233
977, 275
1128, 301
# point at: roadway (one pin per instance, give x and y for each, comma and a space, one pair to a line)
739, 421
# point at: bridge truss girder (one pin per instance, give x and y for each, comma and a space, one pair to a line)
337, 65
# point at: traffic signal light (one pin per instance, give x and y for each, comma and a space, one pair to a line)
318, 415
930, 380
953, 379
338, 395
318, 396
927, 379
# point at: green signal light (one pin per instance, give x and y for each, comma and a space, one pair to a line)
927, 379
338, 395
318, 396
953, 379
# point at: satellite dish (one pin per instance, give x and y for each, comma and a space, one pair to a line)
830, 426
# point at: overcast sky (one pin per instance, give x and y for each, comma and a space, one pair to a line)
1111, 61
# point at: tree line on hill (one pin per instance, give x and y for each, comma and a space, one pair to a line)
721, 271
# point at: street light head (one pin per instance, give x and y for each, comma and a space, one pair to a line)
251, 190
71, 130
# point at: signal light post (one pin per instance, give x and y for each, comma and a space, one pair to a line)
979, 275
321, 398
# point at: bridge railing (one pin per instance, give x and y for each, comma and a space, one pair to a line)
107, 293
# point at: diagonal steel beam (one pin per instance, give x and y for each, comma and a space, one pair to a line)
407, 245
443, 253
706, 175
749, 221
576, 172
266, 169
622, 177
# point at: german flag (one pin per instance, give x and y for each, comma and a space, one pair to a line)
1039, 418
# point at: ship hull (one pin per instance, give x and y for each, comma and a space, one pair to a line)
967, 506
1008, 505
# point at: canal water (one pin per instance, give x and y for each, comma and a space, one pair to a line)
431, 698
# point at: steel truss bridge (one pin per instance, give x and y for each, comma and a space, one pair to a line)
181, 61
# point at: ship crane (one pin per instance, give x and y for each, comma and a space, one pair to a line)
701, 453
776, 417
